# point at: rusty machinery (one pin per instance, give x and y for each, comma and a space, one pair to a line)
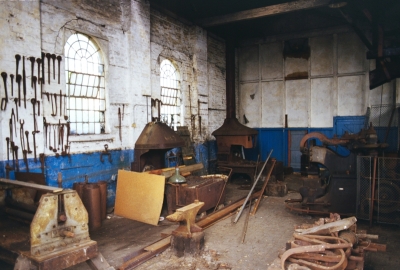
331, 182
58, 236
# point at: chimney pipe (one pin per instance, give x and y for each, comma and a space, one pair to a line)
230, 80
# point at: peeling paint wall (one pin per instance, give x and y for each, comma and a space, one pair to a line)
336, 83
200, 60
133, 38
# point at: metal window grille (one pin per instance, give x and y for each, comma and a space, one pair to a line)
385, 203
170, 94
84, 70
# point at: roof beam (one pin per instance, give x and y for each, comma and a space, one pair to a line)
262, 12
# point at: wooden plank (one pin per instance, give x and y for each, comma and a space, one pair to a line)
160, 244
30, 185
168, 172
262, 12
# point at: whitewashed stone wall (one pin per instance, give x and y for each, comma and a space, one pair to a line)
337, 83
199, 59
133, 39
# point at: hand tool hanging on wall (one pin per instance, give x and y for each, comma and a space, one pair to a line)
21, 133
8, 148
119, 127
42, 60
14, 123
22, 139
65, 108
53, 56
12, 84
68, 131
13, 153
25, 157
16, 106
15, 148
35, 126
17, 59
27, 141
54, 135
38, 104
11, 130
48, 56
34, 85
34, 145
18, 80
62, 140
39, 62
32, 59
50, 146
4, 100
59, 58
55, 105
59, 133
24, 80
45, 130
60, 103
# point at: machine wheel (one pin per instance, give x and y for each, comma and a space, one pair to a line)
387, 197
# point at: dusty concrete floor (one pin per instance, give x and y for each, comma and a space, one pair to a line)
267, 233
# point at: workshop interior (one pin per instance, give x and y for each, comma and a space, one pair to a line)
182, 113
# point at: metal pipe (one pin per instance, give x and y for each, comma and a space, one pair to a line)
252, 188
230, 80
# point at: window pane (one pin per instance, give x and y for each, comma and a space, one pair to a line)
85, 73
170, 93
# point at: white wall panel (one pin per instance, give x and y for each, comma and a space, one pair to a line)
271, 62
350, 95
248, 63
273, 103
321, 55
297, 102
251, 107
295, 67
382, 94
351, 53
321, 102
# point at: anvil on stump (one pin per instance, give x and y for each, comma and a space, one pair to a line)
188, 238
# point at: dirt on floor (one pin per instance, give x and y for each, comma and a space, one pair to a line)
230, 245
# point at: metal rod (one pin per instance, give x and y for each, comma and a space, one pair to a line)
371, 208
246, 223
252, 188
263, 188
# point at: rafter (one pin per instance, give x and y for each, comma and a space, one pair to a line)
262, 12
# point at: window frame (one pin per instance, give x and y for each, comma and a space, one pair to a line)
99, 124
171, 92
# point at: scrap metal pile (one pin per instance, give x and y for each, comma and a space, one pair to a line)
330, 243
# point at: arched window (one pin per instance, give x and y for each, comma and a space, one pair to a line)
170, 94
84, 70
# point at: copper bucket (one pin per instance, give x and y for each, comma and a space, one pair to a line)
91, 200
79, 189
103, 199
